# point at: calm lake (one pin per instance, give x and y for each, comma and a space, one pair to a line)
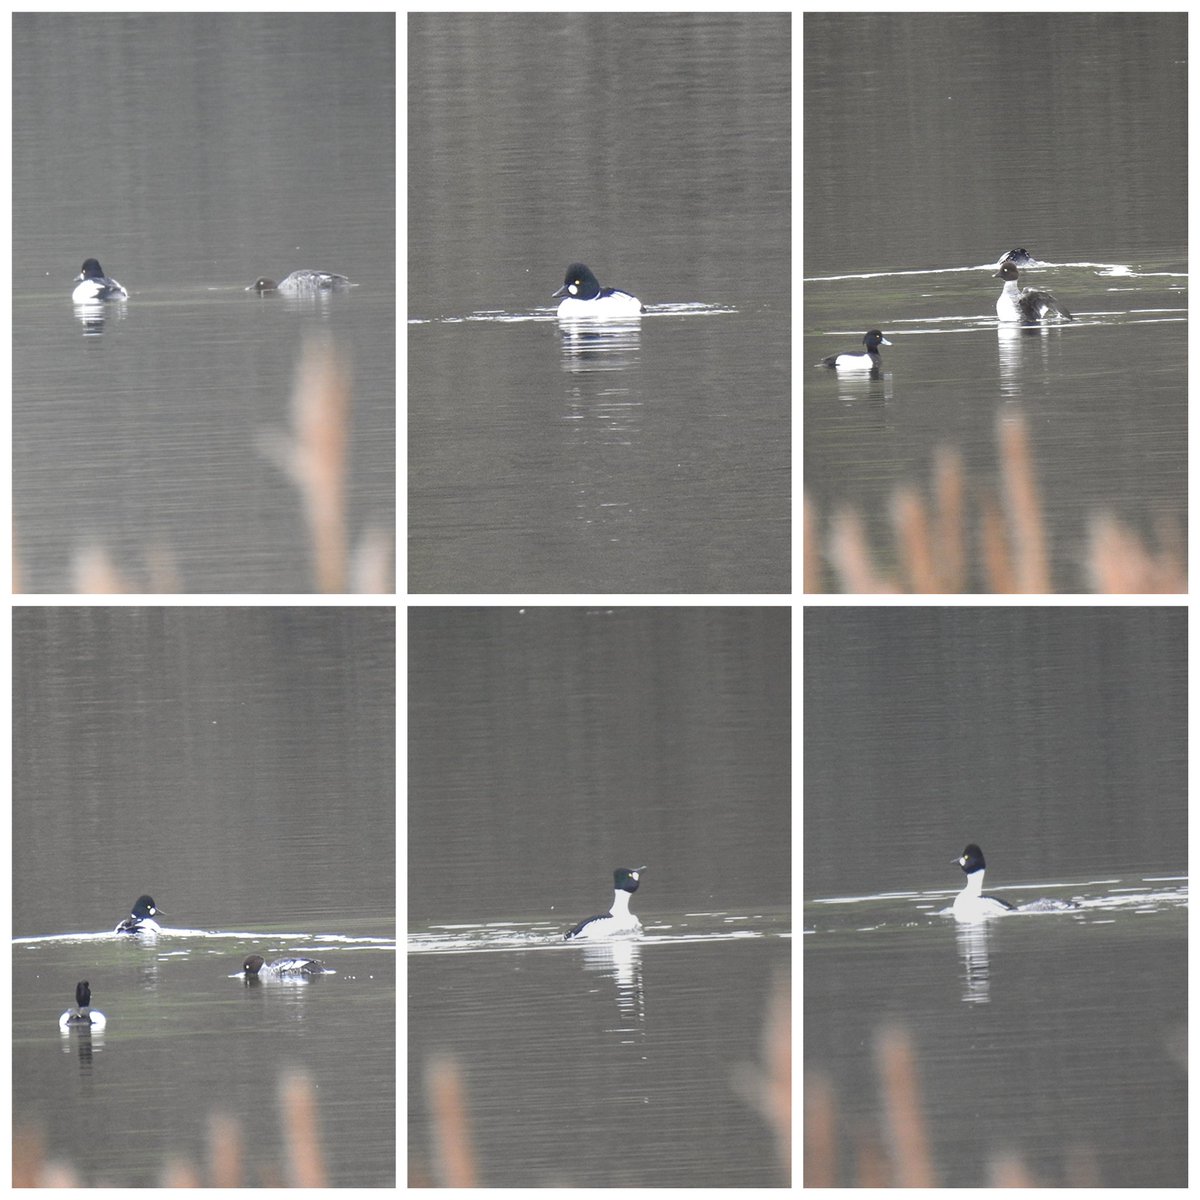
239, 766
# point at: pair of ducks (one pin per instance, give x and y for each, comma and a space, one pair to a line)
84, 1016
1027, 305
92, 285
141, 920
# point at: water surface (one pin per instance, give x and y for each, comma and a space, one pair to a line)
1056, 739
920, 172
220, 148
238, 765
546, 748
656, 149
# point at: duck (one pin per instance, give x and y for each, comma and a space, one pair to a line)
141, 917
870, 361
1020, 257
1027, 305
971, 905
82, 1015
255, 967
92, 284
583, 297
302, 283
618, 920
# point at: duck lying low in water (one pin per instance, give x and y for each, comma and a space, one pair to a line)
255, 967
301, 283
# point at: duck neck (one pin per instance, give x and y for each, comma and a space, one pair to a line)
974, 884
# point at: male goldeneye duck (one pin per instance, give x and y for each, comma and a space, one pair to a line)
618, 919
1027, 305
255, 968
141, 919
93, 284
584, 297
971, 904
301, 283
1020, 257
870, 361
82, 1015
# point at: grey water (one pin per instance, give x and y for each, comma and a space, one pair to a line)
1056, 739
922, 168
238, 765
655, 148
212, 149
546, 748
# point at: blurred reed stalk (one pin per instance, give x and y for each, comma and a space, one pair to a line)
908, 1160
371, 564
301, 1131
902, 1109
902, 1125
930, 539
454, 1157
94, 572
767, 1086
314, 455
304, 1165
1119, 562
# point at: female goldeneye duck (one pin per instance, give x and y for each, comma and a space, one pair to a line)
618, 919
82, 1015
300, 283
870, 361
584, 297
141, 919
93, 284
256, 968
971, 904
1028, 305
